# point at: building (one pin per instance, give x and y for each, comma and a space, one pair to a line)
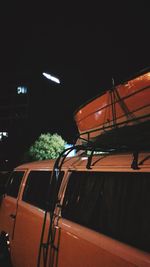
14, 104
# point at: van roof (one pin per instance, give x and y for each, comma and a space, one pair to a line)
111, 161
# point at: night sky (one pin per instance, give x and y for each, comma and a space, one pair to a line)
83, 45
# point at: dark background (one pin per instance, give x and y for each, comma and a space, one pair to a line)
83, 45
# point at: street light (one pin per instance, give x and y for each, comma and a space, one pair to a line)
50, 77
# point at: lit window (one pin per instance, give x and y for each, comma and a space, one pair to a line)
21, 90
3, 135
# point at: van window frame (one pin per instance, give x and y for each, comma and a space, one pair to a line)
140, 243
33, 203
10, 183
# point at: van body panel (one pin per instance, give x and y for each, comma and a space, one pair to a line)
8, 212
27, 235
107, 160
89, 248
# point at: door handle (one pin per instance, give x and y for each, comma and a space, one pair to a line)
12, 216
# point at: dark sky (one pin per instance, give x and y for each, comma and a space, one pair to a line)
84, 46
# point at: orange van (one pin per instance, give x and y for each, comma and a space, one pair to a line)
86, 211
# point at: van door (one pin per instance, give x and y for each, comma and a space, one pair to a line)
104, 220
29, 221
8, 207
30, 215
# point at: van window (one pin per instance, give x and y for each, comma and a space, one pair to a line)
36, 189
14, 183
115, 204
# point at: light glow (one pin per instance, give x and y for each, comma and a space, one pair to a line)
50, 77
3, 135
72, 153
21, 90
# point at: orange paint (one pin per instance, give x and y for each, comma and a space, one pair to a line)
131, 104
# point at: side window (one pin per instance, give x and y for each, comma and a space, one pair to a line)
81, 195
115, 204
14, 183
36, 189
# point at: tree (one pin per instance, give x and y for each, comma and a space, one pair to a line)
47, 146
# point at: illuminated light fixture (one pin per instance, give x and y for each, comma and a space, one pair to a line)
50, 77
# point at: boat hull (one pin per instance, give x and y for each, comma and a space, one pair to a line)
127, 106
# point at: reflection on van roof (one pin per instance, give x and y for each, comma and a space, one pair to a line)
119, 160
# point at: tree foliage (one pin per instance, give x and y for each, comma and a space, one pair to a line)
47, 146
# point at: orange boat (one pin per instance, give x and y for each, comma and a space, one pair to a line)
121, 113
